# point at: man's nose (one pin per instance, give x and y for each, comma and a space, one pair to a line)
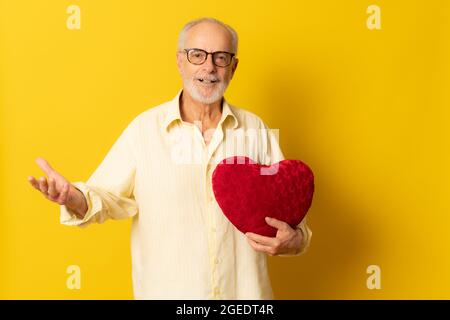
209, 63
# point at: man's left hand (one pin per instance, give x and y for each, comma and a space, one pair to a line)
286, 241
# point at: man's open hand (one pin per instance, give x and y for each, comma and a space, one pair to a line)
58, 189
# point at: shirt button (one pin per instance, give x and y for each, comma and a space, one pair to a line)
216, 260
213, 229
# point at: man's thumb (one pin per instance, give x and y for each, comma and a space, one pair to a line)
44, 165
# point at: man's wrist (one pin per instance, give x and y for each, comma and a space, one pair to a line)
80, 206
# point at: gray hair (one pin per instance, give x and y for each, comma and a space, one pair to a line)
190, 24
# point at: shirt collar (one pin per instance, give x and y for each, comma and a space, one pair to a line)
173, 112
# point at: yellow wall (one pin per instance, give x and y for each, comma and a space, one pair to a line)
368, 110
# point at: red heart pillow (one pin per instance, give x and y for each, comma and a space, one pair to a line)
248, 192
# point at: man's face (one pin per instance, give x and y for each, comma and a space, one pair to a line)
206, 83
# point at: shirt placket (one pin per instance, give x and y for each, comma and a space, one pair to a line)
207, 166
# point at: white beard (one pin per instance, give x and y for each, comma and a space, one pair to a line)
195, 93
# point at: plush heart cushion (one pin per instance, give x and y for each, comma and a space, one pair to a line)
248, 192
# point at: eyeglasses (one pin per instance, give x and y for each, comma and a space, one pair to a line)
199, 56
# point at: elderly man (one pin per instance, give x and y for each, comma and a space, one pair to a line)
159, 173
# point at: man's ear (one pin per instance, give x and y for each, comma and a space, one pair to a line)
179, 61
236, 61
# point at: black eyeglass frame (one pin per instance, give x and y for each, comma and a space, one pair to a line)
206, 58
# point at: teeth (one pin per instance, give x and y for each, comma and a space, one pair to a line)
207, 81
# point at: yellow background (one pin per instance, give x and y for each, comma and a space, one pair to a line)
368, 110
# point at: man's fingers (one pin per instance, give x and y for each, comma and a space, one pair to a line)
34, 182
43, 186
260, 247
280, 225
64, 194
49, 189
44, 165
52, 192
262, 239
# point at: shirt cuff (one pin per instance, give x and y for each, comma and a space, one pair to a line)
94, 203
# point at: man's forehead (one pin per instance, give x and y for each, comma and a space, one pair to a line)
209, 37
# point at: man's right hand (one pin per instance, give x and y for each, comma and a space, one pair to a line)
58, 189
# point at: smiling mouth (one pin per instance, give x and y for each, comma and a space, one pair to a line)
206, 81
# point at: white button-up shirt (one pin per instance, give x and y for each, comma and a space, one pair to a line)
158, 173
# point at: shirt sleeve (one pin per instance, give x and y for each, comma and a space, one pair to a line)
273, 155
109, 192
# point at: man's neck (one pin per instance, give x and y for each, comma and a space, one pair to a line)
195, 112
